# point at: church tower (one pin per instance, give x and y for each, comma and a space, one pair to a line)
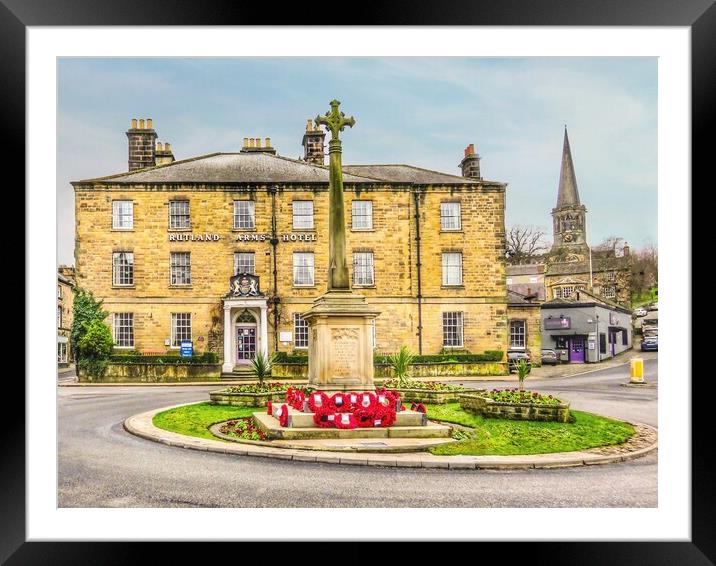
569, 217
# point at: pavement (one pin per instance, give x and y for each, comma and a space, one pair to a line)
101, 465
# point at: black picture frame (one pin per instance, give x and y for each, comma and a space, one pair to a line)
699, 15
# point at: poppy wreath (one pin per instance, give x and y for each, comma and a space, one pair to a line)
364, 417
269, 407
317, 401
283, 417
419, 407
324, 418
340, 403
345, 420
384, 415
295, 398
367, 400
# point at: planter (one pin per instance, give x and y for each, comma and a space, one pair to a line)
488, 408
154, 373
223, 397
428, 396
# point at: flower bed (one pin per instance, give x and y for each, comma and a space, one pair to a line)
250, 395
243, 428
515, 405
432, 392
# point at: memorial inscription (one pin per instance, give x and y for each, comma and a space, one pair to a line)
345, 351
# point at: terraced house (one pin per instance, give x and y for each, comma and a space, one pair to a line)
227, 250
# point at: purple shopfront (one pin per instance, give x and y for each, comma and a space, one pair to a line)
569, 348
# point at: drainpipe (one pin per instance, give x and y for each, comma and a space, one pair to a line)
418, 263
274, 242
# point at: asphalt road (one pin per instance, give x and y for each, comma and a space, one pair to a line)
101, 465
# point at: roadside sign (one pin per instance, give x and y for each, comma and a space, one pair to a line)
186, 350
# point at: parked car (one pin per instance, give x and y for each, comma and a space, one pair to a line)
513, 356
650, 344
550, 357
641, 311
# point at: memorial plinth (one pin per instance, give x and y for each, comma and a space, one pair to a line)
340, 345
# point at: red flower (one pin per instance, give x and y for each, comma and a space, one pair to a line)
283, 417
269, 407
317, 400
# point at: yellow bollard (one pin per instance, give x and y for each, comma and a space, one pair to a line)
637, 370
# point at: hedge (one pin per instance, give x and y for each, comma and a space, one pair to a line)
205, 358
487, 356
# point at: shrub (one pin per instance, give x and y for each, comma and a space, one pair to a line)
94, 348
427, 385
400, 363
85, 310
261, 366
488, 356
169, 358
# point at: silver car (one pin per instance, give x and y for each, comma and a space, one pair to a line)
550, 357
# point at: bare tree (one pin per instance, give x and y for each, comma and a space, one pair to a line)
644, 269
525, 243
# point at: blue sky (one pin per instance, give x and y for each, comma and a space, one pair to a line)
420, 111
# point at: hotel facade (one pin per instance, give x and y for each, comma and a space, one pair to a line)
227, 250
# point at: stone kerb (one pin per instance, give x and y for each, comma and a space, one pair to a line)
488, 408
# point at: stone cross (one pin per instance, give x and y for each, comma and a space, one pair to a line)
338, 277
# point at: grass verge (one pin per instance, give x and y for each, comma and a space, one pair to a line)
507, 437
195, 420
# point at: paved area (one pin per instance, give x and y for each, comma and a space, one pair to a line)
101, 465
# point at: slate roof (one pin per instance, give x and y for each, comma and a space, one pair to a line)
232, 168
399, 173
525, 289
259, 167
514, 298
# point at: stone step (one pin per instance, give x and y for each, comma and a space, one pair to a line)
297, 419
274, 430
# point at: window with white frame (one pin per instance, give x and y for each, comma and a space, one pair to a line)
363, 271
611, 276
303, 269
517, 333
302, 214
452, 329
557, 292
180, 268
244, 215
609, 291
62, 352
122, 214
362, 215
244, 262
124, 329
452, 268
450, 216
123, 268
179, 218
181, 328
567, 291
300, 331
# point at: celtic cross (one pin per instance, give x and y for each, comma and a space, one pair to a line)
335, 120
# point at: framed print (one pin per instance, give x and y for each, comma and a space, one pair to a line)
259, 303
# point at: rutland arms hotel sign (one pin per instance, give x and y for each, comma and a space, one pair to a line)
187, 237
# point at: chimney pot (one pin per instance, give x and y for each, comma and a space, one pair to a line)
167, 147
268, 142
134, 123
159, 146
246, 142
141, 123
149, 124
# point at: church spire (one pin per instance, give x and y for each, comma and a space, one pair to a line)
567, 194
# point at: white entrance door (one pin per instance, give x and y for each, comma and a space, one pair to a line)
245, 343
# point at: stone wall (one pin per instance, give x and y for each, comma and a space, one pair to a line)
155, 373
384, 371
488, 408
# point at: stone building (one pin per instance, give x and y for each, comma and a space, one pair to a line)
524, 324
65, 302
227, 250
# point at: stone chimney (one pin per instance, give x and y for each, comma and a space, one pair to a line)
141, 144
313, 143
253, 145
470, 164
163, 154
626, 249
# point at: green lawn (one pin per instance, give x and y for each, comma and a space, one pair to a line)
195, 420
491, 436
504, 437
